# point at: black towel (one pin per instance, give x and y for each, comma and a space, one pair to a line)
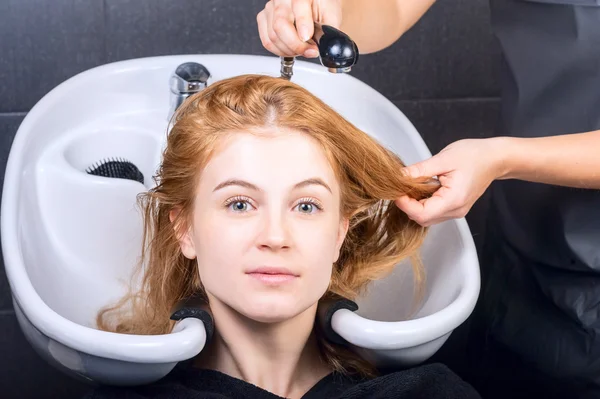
433, 381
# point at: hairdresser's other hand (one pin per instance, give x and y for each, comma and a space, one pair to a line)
278, 33
465, 169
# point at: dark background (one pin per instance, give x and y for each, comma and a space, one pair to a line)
442, 75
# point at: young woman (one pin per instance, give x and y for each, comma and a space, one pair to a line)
268, 202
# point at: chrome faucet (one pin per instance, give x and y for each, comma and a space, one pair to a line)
337, 52
189, 78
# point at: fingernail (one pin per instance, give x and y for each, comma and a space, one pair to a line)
304, 33
311, 53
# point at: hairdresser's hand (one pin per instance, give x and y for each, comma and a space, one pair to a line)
465, 170
278, 33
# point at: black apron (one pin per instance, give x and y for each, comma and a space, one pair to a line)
537, 323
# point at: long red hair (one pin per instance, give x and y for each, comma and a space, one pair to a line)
379, 235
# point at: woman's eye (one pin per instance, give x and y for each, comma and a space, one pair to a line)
240, 206
308, 207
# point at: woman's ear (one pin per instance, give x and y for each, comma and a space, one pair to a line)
183, 234
342, 232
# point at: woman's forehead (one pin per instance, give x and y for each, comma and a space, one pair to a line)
269, 157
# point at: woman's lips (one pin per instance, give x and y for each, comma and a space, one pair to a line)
272, 275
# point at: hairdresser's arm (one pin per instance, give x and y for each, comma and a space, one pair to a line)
375, 25
467, 167
372, 24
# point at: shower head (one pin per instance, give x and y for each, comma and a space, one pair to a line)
337, 52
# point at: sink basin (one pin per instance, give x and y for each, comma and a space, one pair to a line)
70, 240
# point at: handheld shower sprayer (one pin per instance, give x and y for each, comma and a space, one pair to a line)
337, 52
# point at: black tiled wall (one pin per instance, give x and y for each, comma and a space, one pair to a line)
442, 75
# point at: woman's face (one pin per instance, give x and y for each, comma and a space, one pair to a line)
266, 225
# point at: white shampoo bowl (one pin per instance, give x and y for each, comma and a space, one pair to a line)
70, 240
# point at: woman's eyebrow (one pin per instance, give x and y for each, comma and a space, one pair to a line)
236, 182
313, 181
244, 183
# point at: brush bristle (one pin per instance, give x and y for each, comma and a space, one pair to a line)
118, 168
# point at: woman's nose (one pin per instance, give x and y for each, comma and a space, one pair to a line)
274, 232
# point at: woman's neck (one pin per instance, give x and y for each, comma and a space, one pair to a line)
282, 358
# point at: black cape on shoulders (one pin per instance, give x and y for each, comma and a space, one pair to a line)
433, 381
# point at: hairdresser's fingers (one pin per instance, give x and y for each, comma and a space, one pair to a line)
452, 215
263, 32
263, 19
283, 26
270, 8
303, 16
427, 210
415, 210
408, 205
305, 25
434, 166
434, 208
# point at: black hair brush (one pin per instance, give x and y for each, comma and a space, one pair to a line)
118, 168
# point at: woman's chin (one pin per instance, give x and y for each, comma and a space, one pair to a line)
269, 318
275, 310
